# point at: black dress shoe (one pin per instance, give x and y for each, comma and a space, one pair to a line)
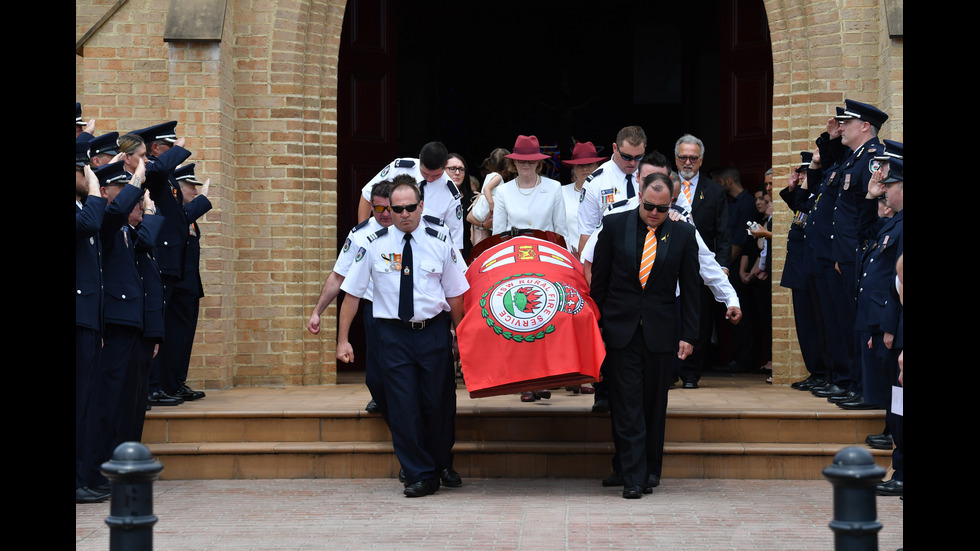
652, 482
633, 492
187, 394
420, 489
614, 479
808, 383
857, 403
882, 442
848, 396
450, 478
891, 488
690, 384
90, 495
161, 398
601, 405
372, 407
401, 476
828, 391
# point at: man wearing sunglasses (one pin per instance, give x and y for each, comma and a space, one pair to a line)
640, 258
418, 285
614, 180
380, 218
442, 197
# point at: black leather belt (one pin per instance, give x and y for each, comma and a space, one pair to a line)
416, 325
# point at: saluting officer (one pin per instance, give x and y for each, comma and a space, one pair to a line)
418, 283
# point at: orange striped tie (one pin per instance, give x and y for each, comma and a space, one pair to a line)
687, 193
649, 255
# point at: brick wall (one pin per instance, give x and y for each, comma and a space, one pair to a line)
258, 110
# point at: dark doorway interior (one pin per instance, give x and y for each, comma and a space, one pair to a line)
562, 71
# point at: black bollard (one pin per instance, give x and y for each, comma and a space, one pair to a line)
132, 471
854, 475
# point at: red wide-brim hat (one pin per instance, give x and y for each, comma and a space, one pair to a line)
526, 148
584, 153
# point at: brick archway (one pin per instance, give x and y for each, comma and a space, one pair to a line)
259, 113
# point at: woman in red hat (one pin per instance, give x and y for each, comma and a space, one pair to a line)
584, 161
529, 201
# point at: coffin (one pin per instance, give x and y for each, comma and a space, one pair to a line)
529, 323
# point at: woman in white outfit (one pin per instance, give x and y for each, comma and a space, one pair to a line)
529, 201
584, 161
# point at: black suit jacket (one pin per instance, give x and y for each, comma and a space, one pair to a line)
616, 289
709, 208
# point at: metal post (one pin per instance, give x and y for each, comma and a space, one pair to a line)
132, 471
854, 475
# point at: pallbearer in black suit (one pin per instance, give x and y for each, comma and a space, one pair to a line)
640, 259
418, 298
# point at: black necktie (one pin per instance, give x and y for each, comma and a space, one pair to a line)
422, 188
630, 192
406, 306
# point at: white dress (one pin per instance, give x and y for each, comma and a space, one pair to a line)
540, 208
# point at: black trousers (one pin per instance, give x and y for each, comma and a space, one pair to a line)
638, 383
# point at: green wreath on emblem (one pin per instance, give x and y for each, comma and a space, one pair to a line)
500, 330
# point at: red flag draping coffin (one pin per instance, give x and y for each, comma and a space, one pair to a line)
529, 322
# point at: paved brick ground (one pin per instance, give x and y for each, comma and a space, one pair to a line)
507, 514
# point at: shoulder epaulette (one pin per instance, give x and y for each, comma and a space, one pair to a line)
435, 233
377, 234
360, 226
433, 220
618, 204
453, 189
404, 163
595, 173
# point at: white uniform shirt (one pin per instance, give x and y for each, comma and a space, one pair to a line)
437, 272
442, 197
541, 209
571, 198
605, 186
711, 272
355, 240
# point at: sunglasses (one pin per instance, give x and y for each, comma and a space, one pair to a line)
688, 159
631, 158
380, 208
399, 208
651, 206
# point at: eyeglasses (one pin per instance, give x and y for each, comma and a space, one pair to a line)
455, 169
688, 159
651, 206
382, 208
522, 162
631, 158
399, 208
